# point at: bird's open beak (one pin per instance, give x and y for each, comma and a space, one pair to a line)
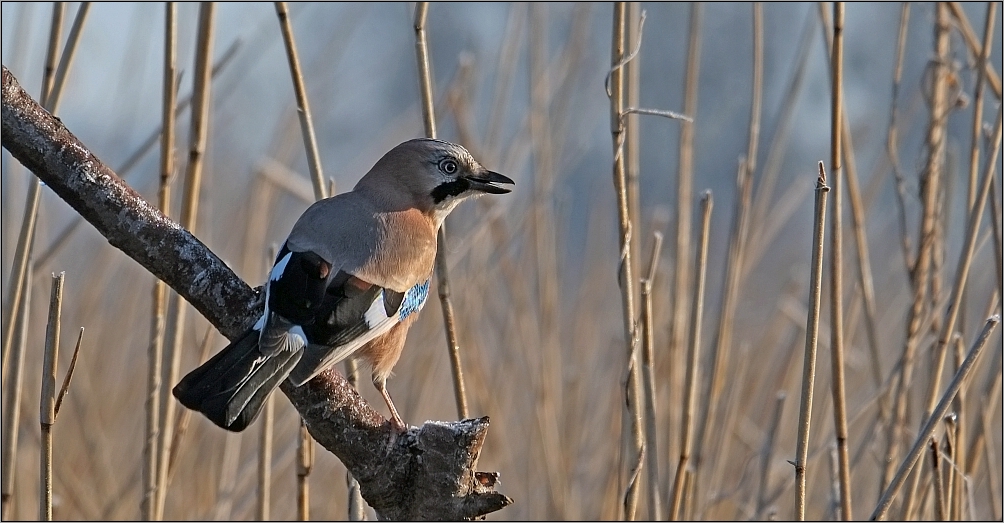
486, 182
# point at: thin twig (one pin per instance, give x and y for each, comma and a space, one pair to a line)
47, 402
693, 353
932, 420
811, 342
837, 260
65, 387
302, 104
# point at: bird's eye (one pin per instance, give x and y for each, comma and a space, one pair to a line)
448, 166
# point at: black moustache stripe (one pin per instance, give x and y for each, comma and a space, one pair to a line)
450, 189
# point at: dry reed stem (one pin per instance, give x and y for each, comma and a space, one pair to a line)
921, 274
811, 341
939, 489
734, 269
632, 138
52, 51
892, 141
189, 213
181, 426
951, 449
47, 402
981, 62
767, 455
302, 103
548, 395
966, 29
693, 356
764, 201
927, 429
304, 464
12, 404
995, 212
625, 275
837, 260
442, 274
158, 321
648, 364
264, 497
684, 200
320, 192
865, 280
66, 59
26, 236
962, 269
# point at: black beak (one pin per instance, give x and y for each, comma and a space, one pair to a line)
486, 181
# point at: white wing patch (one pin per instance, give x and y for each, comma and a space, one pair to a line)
280, 266
377, 313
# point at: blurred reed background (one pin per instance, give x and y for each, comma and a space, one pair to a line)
534, 274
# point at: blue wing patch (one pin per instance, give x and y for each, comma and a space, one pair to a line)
414, 299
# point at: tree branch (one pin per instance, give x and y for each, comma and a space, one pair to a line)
425, 473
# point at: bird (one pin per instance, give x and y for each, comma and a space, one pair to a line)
349, 280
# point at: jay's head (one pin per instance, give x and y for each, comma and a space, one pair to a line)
431, 175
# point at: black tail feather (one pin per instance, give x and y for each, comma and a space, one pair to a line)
232, 386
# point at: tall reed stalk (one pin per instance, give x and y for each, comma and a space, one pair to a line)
150, 506
625, 274
693, 358
198, 137
442, 273
47, 402
837, 261
684, 208
648, 364
811, 342
302, 103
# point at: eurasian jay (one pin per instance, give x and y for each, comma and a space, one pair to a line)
349, 280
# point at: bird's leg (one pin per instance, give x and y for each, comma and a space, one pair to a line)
395, 419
